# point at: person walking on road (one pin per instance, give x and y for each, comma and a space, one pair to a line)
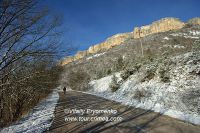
64, 90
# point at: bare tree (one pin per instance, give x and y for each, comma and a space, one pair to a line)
28, 45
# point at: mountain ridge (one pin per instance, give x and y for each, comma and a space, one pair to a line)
162, 25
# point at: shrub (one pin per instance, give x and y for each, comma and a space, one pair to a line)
148, 54
150, 73
126, 73
99, 74
114, 85
196, 46
163, 75
163, 70
119, 64
165, 79
139, 94
109, 71
137, 66
195, 71
191, 100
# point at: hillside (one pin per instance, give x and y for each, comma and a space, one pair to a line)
165, 78
129, 54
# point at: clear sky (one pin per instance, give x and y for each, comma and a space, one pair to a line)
88, 22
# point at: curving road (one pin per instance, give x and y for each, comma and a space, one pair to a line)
72, 115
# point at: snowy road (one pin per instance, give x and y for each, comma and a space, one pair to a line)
80, 112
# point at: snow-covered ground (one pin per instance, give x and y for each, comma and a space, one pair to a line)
166, 38
168, 98
38, 120
94, 56
175, 46
194, 34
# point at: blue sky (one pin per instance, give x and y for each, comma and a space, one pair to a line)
88, 22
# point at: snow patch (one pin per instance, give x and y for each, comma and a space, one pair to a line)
99, 85
179, 46
38, 120
192, 37
194, 32
167, 46
96, 55
166, 38
191, 34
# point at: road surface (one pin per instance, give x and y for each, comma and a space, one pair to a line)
71, 118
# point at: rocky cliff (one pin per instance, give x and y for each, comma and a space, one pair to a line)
109, 43
163, 25
194, 21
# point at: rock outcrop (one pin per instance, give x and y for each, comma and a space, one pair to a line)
66, 60
194, 21
109, 43
80, 54
163, 25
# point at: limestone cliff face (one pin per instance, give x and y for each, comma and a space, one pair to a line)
109, 43
80, 54
165, 24
162, 25
194, 21
66, 60
69, 59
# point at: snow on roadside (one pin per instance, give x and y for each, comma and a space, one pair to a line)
38, 120
157, 107
193, 118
